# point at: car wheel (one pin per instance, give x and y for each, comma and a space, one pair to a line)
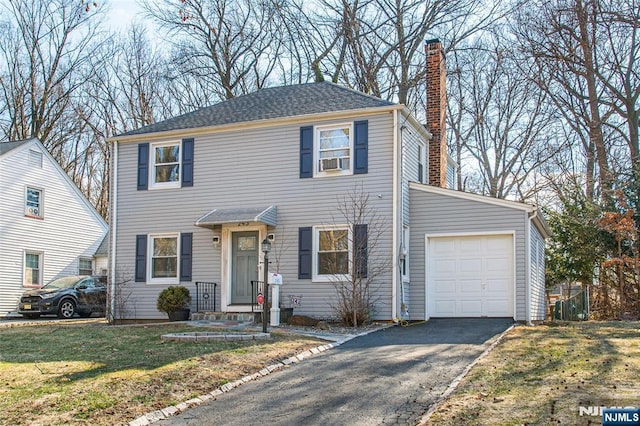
66, 309
31, 316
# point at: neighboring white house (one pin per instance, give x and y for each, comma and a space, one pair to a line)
101, 257
192, 198
48, 229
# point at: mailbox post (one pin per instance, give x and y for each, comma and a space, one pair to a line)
266, 248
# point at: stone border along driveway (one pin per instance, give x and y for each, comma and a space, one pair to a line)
168, 412
173, 410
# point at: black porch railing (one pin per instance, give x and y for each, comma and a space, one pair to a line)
256, 287
206, 297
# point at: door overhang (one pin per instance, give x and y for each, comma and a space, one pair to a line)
230, 220
239, 216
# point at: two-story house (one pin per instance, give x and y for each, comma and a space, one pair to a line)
193, 197
48, 229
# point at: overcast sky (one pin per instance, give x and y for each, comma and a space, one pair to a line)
121, 13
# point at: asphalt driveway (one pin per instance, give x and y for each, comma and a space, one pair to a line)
390, 376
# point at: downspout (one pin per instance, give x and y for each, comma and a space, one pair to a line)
112, 225
394, 225
402, 249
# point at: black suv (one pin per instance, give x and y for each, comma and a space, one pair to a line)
65, 297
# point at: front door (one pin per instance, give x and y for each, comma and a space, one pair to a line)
244, 265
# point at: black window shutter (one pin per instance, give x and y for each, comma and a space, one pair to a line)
143, 166
141, 258
305, 248
186, 256
360, 240
361, 147
187, 162
306, 152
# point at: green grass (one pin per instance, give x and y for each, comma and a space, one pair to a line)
100, 374
542, 375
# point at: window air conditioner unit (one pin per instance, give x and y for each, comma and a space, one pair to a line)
327, 164
33, 211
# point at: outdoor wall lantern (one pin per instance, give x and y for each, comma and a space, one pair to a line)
266, 246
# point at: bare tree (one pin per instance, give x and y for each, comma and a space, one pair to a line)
124, 93
499, 119
49, 51
45, 48
229, 46
120, 293
619, 65
562, 39
350, 251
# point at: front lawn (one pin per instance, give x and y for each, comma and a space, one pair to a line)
100, 374
542, 375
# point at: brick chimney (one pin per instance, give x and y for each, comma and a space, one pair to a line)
436, 109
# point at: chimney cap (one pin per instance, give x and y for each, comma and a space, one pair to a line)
433, 40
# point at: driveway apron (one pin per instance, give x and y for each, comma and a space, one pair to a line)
391, 376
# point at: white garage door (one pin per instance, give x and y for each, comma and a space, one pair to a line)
470, 276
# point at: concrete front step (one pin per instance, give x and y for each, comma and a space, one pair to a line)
247, 317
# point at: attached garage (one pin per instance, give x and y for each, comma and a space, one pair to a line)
474, 256
470, 276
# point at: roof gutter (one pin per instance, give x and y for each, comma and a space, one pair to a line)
540, 223
417, 125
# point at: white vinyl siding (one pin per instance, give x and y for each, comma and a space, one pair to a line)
71, 228
225, 179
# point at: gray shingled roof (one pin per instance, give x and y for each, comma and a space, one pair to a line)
8, 146
270, 103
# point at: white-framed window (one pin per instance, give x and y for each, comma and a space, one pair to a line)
33, 269
162, 255
404, 255
332, 248
35, 158
85, 266
333, 149
165, 165
34, 202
